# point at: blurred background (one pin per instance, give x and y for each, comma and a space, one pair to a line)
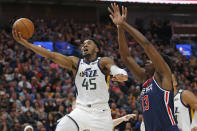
36, 91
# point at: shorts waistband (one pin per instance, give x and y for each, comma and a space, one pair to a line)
98, 106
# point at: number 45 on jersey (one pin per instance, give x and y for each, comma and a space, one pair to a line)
89, 84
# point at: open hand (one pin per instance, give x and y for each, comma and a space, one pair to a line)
18, 37
120, 78
115, 15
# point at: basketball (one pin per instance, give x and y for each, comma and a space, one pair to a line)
25, 27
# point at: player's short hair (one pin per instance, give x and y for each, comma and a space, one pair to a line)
96, 42
169, 61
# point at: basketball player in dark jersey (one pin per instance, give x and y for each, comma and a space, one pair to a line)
157, 91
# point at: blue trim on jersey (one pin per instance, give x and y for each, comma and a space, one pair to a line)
187, 106
90, 61
159, 86
190, 114
78, 65
76, 91
98, 63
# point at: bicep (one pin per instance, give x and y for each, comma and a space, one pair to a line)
190, 99
69, 62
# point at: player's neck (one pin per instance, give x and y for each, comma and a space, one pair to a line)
90, 58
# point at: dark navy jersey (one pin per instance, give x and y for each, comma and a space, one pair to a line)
158, 107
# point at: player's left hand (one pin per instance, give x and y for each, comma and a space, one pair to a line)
115, 15
128, 117
120, 78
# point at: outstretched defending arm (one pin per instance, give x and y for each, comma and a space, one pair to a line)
137, 71
160, 65
117, 18
69, 62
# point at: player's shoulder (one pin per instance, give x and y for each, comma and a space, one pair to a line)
186, 93
187, 96
105, 59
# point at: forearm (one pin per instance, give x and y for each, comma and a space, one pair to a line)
123, 47
139, 37
38, 50
117, 121
126, 57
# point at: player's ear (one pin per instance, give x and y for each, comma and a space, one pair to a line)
97, 50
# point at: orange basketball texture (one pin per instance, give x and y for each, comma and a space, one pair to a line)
25, 27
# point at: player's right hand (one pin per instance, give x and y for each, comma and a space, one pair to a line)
18, 37
128, 117
115, 15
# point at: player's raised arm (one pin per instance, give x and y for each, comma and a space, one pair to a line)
189, 99
137, 71
159, 63
109, 68
117, 18
69, 62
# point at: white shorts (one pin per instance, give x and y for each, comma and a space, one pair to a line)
92, 118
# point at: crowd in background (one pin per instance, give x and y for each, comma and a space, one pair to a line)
38, 92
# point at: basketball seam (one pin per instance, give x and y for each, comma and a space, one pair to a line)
25, 27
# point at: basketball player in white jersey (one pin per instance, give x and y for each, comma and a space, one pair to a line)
185, 108
92, 112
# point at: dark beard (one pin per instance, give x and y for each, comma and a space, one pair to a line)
86, 55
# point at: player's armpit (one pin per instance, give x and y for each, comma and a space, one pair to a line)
189, 99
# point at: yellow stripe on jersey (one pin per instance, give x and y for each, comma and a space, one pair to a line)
108, 78
191, 114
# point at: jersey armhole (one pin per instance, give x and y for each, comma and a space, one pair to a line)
159, 86
182, 100
98, 63
78, 66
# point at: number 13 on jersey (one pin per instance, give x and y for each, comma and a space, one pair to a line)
145, 102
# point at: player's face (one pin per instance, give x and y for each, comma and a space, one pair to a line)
149, 67
88, 48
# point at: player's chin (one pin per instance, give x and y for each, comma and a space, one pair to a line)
85, 55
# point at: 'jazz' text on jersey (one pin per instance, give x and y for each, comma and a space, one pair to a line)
88, 72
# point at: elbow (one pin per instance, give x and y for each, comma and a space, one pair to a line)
125, 59
51, 55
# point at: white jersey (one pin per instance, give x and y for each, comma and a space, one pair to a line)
91, 83
194, 118
183, 113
